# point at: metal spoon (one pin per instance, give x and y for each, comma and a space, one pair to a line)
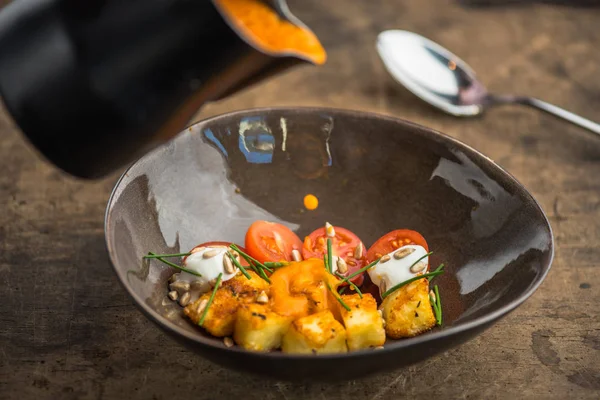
445, 81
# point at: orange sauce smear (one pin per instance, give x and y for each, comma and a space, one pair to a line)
269, 32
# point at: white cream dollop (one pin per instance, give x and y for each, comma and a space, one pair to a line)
209, 268
396, 271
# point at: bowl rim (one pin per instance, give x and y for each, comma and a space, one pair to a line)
400, 344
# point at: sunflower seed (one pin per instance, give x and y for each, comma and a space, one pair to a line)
210, 253
174, 277
418, 267
379, 348
197, 285
228, 341
296, 256
358, 251
180, 286
330, 230
201, 306
213, 282
173, 295
262, 298
380, 313
351, 263
400, 254
227, 264
185, 299
342, 267
382, 287
384, 259
432, 296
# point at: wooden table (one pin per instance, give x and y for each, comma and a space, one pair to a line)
68, 330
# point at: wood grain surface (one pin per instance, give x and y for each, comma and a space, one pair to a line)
69, 331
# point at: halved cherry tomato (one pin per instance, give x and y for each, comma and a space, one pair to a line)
217, 243
269, 241
343, 245
394, 240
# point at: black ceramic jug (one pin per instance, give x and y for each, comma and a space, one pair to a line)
94, 84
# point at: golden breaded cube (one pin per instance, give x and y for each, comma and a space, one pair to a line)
407, 311
364, 324
258, 328
221, 314
246, 290
316, 333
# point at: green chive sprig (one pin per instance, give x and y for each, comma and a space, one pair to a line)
210, 300
238, 265
170, 264
152, 255
270, 264
338, 297
329, 255
256, 265
406, 282
440, 268
360, 271
437, 305
351, 284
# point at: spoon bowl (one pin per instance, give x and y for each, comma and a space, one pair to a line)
443, 80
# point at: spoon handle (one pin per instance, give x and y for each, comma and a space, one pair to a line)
559, 112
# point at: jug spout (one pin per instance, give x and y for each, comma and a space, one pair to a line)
94, 86
284, 40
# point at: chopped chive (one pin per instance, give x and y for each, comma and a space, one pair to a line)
276, 264
360, 271
325, 261
441, 267
438, 301
343, 289
356, 289
237, 264
210, 300
152, 255
329, 255
351, 284
420, 259
170, 264
406, 282
267, 268
338, 298
262, 274
248, 258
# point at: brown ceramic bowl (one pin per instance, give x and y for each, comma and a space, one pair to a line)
372, 174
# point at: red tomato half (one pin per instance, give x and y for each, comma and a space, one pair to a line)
269, 241
217, 243
394, 240
342, 245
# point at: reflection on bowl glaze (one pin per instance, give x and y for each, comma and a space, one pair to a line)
371, 174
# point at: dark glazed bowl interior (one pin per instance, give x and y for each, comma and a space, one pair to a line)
372, 174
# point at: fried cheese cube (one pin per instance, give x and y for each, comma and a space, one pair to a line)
318, 333
258, 328
407, 311
246, 290
221, 315
364, 323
